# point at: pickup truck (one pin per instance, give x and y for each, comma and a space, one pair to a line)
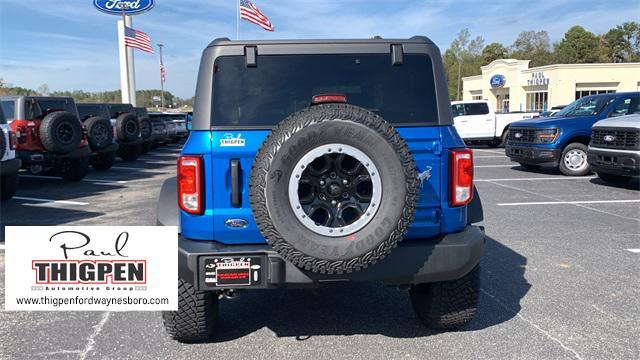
614, 150
561, 141
477, 122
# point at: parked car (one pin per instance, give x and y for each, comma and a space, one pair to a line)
553, 111
176, 125
100, 134
317, 180
146, 130
9, 164
50, 137
477, 122
561, 141
614, 150
127, 127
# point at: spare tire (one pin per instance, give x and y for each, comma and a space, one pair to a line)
145, 127
3, 143
60, 132
127, 127
99, 132
317, 185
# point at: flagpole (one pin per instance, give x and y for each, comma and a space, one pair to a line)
126, 54
238, 20
161, 78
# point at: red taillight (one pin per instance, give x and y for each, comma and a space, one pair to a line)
328, 98
190, 184
461, 177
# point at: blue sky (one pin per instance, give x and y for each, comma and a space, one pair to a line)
70, 45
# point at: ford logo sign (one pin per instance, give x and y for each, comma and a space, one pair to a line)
128, 7
497, 81
517, 135
236, 223
609, 138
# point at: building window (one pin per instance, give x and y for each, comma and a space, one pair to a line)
582, 93
502, 103
476, 97
537, 101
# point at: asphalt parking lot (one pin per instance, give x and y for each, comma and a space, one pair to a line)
560, 280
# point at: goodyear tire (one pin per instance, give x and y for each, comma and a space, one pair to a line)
316, 186
196, 316
8, 186
127, 127
99, 132
103, 161
60, 132
73, 169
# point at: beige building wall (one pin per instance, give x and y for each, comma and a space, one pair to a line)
549, 85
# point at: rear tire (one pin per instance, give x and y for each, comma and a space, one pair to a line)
447, 305
8, 186
573, 161
60, 132
614, 179
99, 132
74, 169
103, 161
129, 152
196, 316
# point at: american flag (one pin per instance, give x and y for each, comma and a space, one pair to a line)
137, 39
162, 72
250, 12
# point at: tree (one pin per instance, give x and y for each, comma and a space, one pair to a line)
44, 89
463, 58
534, 46
494, 51
615, 47
578, 46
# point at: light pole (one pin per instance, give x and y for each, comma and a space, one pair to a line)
161, 78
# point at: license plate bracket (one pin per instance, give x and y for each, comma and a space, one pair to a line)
234, 271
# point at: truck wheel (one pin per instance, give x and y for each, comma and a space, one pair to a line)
573, 161
145, 128
196, 316
127, 127
8, 186
129, 152
73, 169
447, 305
103, 161
145, 147
316, 188
614, 179
99, 132
530, 166
60, 132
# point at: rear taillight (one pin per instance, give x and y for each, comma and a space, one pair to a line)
190, 184
13, 141
461, 177
328, 98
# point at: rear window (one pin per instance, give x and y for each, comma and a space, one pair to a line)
39, 108
476, 109
9, 110
282, 84
89, 110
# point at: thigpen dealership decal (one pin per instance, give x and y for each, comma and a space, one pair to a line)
115, 268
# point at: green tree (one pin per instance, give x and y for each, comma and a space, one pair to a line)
494, 51
463, 58
578, 46
534, 46
615, 47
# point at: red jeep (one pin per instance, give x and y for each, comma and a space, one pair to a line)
50, 136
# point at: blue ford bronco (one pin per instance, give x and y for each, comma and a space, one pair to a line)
315, 161
561, 141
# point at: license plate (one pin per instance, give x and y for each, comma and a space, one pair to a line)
232, 271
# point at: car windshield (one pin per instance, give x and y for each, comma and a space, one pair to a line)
586, 106
89, 110
280, 85
8, 109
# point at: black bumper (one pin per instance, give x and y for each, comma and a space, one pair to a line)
109, 149
10, 167
46, 158
448, 257
614, 162
533, 155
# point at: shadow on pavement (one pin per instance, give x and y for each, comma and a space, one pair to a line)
631, 185
367, 308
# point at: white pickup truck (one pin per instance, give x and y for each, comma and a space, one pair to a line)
477, 122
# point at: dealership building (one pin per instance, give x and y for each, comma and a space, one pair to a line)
510, 85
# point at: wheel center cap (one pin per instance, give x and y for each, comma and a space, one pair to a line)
335, 189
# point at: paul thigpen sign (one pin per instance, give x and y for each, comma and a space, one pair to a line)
102, 268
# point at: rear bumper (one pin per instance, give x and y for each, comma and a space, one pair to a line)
443, 258
615, 162
45, 158
533, 155
10, 167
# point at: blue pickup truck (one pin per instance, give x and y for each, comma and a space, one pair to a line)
562, 141
319, 161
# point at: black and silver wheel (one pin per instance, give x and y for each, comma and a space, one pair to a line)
99, 132
60, 132
573, 161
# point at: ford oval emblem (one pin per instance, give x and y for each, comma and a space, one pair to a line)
609, 138
518, 135
497, 81
236, 223
128, 7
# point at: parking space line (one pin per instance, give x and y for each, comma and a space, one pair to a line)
635, 251
568, 202
51, 201
537, 179
493, 166
93, 180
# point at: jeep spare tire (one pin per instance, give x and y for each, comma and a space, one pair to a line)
127, 127
145, 128
60, 132
333, 188
99, 132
